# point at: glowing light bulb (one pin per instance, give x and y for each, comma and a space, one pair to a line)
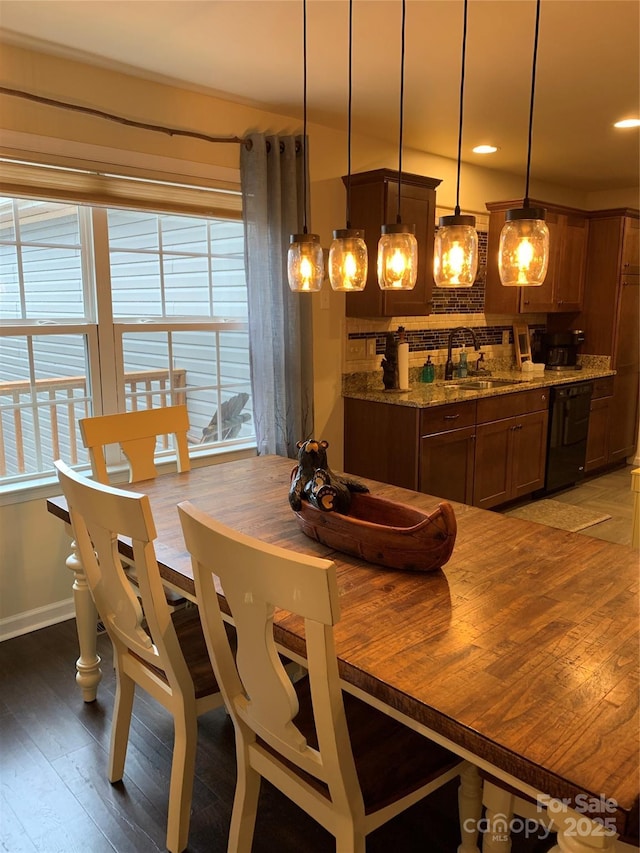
455, 262
306, 271
350, 265
524, 255
349, 269
396, 265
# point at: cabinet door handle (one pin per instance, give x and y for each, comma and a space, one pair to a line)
451, 417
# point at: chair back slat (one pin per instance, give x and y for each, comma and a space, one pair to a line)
136, 433
117, 604
99, 514
262, 673
256, 578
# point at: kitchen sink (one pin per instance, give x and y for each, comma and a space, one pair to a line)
480, 384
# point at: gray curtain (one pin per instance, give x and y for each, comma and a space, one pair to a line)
280, 322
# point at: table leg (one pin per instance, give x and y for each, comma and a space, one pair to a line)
497, 820
88, 672
469, 808
576, 832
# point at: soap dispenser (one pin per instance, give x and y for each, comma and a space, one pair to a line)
428, 370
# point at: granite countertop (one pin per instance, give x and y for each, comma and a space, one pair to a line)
422, 395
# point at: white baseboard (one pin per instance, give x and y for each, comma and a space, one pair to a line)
31, 620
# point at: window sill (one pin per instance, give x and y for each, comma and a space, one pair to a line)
40, 488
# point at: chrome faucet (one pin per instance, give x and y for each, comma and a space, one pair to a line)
448, 368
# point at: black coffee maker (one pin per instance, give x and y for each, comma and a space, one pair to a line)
559, 350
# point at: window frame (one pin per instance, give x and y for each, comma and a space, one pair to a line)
32, 179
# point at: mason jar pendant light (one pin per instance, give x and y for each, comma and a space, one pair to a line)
398, 247
455, 253
305, 265
524, 241
348, 259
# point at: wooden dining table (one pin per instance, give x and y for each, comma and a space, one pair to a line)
520, 654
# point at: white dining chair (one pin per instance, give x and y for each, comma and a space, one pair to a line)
137, 434
160, 651
347, 764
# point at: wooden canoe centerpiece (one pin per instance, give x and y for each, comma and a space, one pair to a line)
384, 532
339, 512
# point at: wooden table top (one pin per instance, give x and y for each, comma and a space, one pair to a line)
523, 649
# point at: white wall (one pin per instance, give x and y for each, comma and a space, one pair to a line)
32, 569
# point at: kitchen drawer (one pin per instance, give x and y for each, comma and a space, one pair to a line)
602, 388
450, 416
511, 405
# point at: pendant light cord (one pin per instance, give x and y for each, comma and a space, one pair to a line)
304, 117
533, 89
349, 119
404, 15
464, 52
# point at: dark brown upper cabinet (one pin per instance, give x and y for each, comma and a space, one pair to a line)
374, 203
563, 287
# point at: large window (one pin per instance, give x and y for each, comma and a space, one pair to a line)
105, 309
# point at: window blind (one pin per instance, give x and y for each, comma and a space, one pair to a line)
100, 188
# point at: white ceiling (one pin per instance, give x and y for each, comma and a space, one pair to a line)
251, 50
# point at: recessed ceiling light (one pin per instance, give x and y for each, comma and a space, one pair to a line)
628, 122
485, 149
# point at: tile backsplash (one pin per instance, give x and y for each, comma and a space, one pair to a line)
428, 335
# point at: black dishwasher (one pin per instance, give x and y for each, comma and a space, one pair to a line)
567, 439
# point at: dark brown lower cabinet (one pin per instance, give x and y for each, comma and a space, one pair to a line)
447, 451
623, 421
510, 459
491, 485
599, 416
613, 420
483, 454
446, 464
511, 447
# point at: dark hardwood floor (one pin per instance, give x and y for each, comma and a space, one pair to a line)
54, 793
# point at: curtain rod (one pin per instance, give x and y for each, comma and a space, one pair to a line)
171, 131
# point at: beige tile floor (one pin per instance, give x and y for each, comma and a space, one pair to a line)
610, 493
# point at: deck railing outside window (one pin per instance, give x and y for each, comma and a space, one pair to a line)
62, 402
